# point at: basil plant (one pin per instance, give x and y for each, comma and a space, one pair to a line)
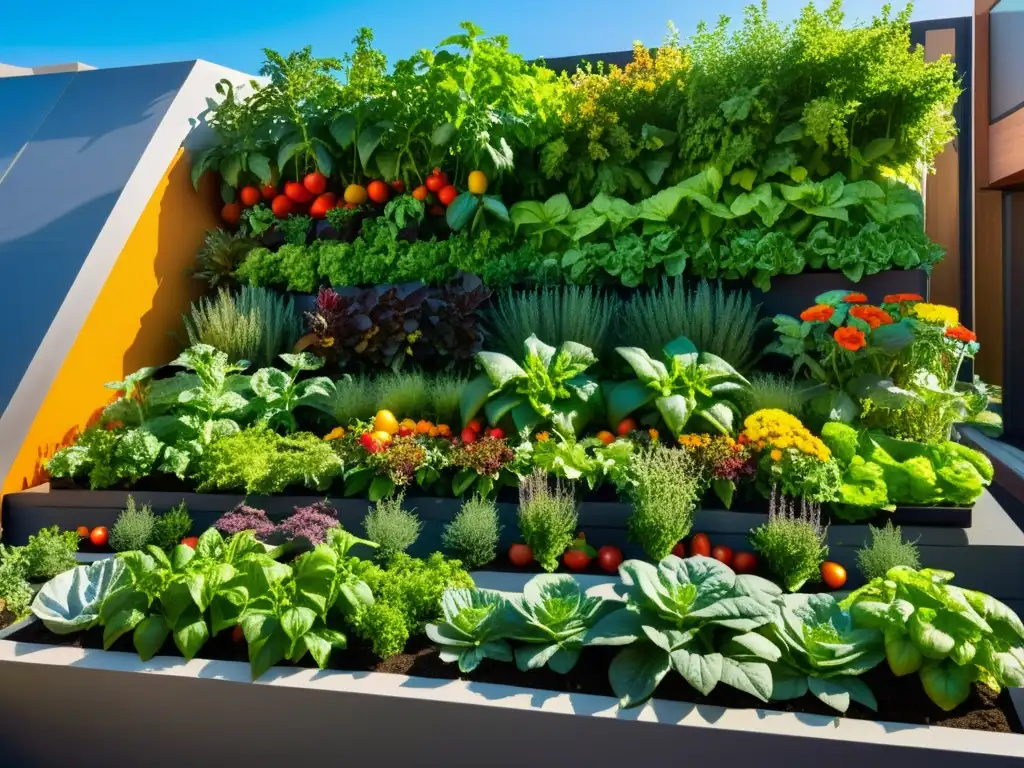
550, 386
951, 637
695, 616
687, 385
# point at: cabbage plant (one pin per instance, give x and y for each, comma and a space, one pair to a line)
475, 621
552, 617
822, 652
951, 637
687, 385
70, 602
694, 616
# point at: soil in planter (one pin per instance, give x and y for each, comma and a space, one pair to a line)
6, 618
900, 700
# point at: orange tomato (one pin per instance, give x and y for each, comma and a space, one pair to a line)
231, 213
249, 196
420, 193
378, 191
447, 195
833, 574
477, 183
423, 427
82, 531
282, 206
625, 427
606, 437
98, 536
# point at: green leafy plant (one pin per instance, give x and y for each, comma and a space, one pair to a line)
406, 394
260, 218
279, 394
722, 322
350, 398
771, 391
551, 384
473, 628
445, 395
133, 528
663, 494
553, 616
15, 592
472, 535
822, 652
70, 602
792, 542
392, 528
295, 229
50, 552
887, 550
256, 324
220, 255
547, 518
171, 527
695, 616
951, 637
688, 385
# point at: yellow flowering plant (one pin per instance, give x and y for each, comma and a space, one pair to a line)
790, 457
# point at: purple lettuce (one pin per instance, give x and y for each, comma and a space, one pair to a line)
243, 518
309, 525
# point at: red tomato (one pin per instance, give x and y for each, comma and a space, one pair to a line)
370, 443
282, 206
82, 531
626, 426
834, 574
722, 554
436, 210
399, 186
679, 550
249, 195
475, 425
231, 213
191, 541
576, 560
447, 195
520, 555
700, 545
404, 431
497, 433
237, 635
99, 536
297, 193
744, 562
269, 191
378, 191
320, 206
437, 181
315, 183
469, 435
420, 193
609, 558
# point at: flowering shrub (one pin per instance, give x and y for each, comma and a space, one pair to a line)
243, 518
722, 463
790, 457
309, 525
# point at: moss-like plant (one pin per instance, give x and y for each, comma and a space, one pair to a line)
663, 494
171, 527
792, 542
547, 517
50, 552
886, 550
15, 591
406, 394
133, 528
472, 536
445, 394
392, 528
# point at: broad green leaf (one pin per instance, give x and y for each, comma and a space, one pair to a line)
343, 130
296, 622
381, 487
369, 139
474, 396
644, 366
461, 211
947, 684
676, 411
191, 633
501, 369
495, 206
150, 635
442, 135
119, 624
636, 671
750, 677
626, 398
702, 671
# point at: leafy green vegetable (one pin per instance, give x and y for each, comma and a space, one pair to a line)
70, 602
473, 628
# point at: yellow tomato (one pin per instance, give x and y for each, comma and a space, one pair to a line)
382, 437
355, 194
477, 183
385, 421
408, 424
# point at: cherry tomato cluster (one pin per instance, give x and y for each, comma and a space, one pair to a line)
700, 544
98, 535
577, 557
436, 187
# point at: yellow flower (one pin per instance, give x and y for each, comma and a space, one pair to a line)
542, 437
327, 341
335, 433
776, 454
936, 313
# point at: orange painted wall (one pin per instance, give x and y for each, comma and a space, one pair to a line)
132, 321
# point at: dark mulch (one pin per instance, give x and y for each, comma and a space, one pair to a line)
6, 618
900, 700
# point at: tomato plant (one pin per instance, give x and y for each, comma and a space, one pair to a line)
520, 555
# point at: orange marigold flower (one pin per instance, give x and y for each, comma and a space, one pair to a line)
653, 433
856, 298
819, 313
873, 316
900, 298
776, 454
850, 338
335, 434
542, 437
961, 333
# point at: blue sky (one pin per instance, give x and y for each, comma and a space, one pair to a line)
107, 33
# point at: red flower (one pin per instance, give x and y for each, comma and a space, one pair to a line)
960, 333
873, 316
850, 338
900, 298
856, 298
819, 313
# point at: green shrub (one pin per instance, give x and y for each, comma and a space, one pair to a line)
791, 542
769, 390
256, 325
133, 528
716, 320
171, 527
392, 528
445, 394
663, 498
555, 315
473, 535
220, 255
50, 552
407, 596
405, 394
15, 591
353, 398
547, 518
886, 550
